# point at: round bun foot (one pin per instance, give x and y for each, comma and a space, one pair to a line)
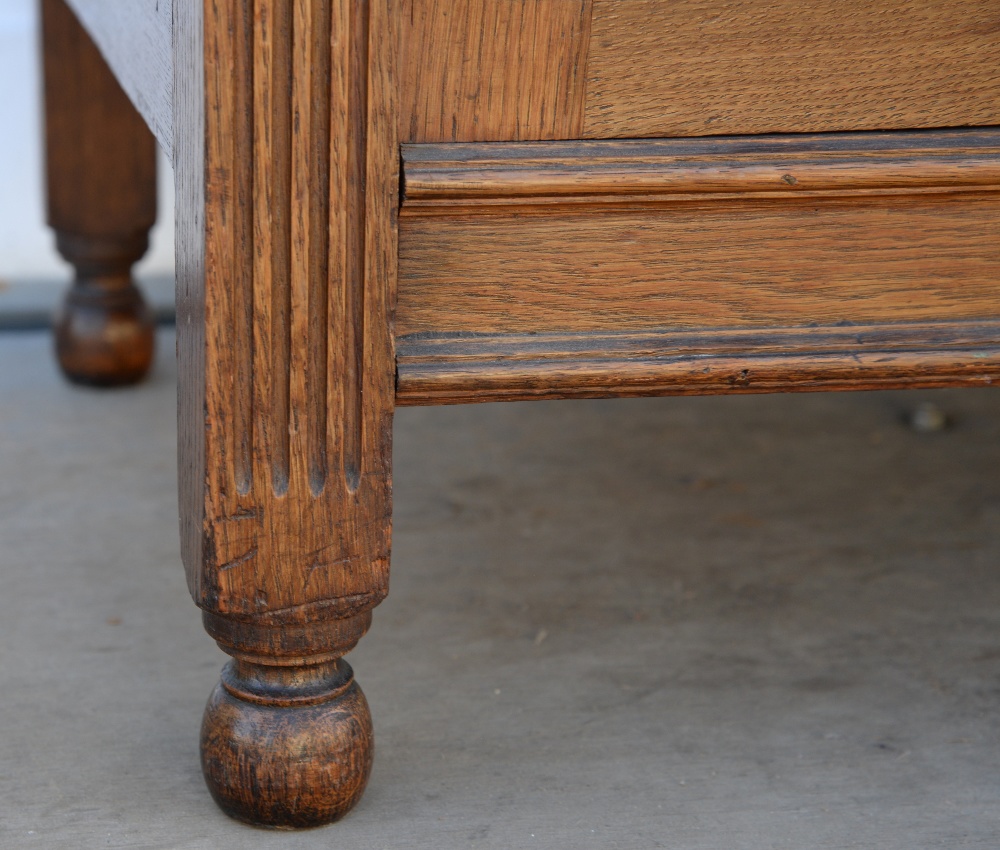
104, 337
287, 747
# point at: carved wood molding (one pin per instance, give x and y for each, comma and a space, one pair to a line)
565, 269
513, 367
300, 180
476, 178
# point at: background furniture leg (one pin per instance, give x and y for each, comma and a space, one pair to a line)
101, 175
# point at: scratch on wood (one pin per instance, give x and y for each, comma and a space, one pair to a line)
244, 514
236, 562
317, 564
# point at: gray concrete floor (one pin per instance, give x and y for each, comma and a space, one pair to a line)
723, 623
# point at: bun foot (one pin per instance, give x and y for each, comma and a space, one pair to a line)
287, 747
105, 339
104, 333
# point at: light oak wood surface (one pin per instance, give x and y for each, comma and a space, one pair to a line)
288, 183
718, 67
459, 369
483, 178
692, 266
477, 70
493, 69
565, 69
772, 232
296, 294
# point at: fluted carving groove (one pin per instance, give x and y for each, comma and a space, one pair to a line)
303, 225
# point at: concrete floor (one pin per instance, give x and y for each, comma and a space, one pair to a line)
724, 623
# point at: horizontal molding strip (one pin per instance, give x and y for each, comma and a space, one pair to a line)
478, 177
455, 369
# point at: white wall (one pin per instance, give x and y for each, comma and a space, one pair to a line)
26, 245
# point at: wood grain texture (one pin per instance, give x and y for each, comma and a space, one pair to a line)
714, 67
101, 164
697, 266
483, 178
101, 188
288, 180
693, 248
688, 267
476, 70
300, 177
136, 40
258, 715
457, 369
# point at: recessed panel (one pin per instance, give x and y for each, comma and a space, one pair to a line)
714, 67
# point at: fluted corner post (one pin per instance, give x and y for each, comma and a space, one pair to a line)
101, 180
286, 162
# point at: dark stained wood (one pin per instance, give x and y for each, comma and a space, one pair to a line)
135, 38
259, 714
101, 180
456, 369
725, 233
714, 67
287, 267
496, 70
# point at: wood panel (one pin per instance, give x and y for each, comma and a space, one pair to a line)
692, 266
474, 70
136, 40
714, 67
288, 201
477, 70
508, 247
720, 233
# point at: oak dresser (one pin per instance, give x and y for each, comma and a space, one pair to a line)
385, 202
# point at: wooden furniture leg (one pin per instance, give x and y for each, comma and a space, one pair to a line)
286, 165
101, 175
